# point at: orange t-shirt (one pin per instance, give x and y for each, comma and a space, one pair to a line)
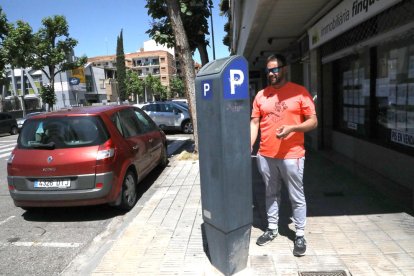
284, 106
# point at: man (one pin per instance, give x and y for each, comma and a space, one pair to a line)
283, 111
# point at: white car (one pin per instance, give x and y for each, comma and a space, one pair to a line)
21, 121
169, 115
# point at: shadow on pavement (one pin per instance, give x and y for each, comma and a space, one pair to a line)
331, 190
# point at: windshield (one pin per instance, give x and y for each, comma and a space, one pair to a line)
62, 132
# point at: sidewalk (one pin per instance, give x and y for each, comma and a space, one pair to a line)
349, 228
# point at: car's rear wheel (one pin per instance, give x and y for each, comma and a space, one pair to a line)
187, 127
129, 192
14, 130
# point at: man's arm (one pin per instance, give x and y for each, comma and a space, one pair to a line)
310, 122
254, 130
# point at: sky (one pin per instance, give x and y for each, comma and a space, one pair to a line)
96, 24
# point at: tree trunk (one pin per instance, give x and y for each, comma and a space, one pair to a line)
202, 49
52, 83
187, 60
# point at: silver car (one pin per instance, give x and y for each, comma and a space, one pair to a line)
169, 115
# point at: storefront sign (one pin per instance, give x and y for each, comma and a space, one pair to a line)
343, 17
79, 74
403, 138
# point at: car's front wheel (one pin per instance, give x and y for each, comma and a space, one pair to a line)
187, 127
129, 192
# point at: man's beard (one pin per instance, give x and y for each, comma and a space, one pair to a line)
274, 80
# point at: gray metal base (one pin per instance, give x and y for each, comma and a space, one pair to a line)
228, 251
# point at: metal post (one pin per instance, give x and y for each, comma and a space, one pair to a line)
212, 32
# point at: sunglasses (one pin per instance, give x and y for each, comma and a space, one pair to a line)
274, 69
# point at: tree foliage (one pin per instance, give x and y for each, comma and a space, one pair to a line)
18, 45
160, 90
134, 85
53, 49
121, 68
3, 32
47, 93
194, 15
177, 87
225, 11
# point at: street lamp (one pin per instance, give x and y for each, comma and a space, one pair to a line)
212, 31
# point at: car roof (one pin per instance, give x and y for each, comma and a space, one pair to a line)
86, 110
160, 102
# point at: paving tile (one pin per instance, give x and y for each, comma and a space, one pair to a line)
388, 247
401, 260
407, 245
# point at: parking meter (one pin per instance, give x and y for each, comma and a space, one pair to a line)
223, 121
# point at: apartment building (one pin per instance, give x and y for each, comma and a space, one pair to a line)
158, 63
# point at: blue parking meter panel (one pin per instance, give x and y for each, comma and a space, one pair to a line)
207, 89
235, 80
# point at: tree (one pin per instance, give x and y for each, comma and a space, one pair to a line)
48, 95
184, 52
194, 15
3, 55
160, 90
18, 45
18, 52
4, 29
148, 84
121, 68
53, 49
177, 87
134, 85
225, 11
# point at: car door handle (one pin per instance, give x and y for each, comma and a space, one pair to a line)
151, 140
135, 147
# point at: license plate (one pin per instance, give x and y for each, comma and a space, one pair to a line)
61, 184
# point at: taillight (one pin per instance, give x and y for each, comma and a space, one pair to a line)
106, 151
11, 157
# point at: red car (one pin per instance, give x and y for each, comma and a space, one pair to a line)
84, 156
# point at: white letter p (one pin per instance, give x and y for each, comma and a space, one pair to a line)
236, 78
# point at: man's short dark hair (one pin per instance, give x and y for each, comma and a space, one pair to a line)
281, 60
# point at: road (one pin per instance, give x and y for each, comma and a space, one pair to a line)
45, 241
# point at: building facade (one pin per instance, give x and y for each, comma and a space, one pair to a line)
356, 57
158, 63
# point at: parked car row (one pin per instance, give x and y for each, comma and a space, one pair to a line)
169, 115
8, 124
84, 156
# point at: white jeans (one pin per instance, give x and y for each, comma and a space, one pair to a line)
289, 171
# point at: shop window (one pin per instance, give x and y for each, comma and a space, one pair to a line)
352, 91
374, 93
395, 93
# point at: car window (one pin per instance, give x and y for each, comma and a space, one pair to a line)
130, 123
163, 107
63, 132
145, 121
151, 107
